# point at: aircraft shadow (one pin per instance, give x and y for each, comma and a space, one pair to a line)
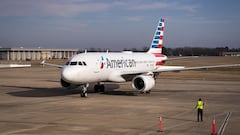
119, 93
40, 92
58, 91
111, 89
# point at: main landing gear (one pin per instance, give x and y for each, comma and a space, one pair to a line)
84, 90
99, 88
145, 92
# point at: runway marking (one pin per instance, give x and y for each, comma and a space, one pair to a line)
24, 130
166, 129
224, 124
176, 117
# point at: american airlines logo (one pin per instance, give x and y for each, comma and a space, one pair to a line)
102, 62
120, 63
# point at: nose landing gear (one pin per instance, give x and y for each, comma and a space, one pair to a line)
84, 90
97, 88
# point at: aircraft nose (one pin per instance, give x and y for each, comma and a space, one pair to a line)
68, 74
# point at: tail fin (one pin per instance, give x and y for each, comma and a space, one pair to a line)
157, 42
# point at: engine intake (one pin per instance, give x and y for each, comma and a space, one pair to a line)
143, 82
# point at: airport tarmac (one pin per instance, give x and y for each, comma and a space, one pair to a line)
33, 102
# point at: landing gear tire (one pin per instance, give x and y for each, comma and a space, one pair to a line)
145, 92
99, 88
148, 92
141, 92
96, 88
83, 94
84, 90
102, 88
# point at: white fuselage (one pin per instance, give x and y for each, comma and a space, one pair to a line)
100, 67
140, 68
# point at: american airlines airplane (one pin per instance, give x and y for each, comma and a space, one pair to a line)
140, 68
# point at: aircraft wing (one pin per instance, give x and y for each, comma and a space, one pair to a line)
130, 75
49, 64
181, 68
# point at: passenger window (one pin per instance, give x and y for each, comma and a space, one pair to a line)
80, 63
84, 63
73, 63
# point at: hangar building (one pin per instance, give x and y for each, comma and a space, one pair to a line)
35, 54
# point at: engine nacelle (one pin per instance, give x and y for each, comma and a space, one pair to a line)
68, 85
143, 82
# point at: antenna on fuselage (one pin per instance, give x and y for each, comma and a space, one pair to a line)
107, 51
85, 51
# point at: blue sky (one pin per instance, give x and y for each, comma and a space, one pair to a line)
118, 24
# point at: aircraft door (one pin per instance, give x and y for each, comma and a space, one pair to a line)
97, 67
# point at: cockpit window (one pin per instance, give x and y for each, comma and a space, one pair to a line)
73, 63
67, 63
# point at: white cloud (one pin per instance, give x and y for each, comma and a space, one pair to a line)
198, 20
134, 18
147, 6
163, 5
74, 7
49, 8
203, 20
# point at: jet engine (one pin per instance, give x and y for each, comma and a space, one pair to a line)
143, 82
68, 85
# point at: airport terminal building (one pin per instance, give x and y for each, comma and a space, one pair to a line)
35, 54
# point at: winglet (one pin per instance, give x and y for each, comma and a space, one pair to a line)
49, 64
43, 62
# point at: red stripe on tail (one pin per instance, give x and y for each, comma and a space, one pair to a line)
159, 63
158, 55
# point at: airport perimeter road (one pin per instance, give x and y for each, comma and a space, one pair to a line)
32, 102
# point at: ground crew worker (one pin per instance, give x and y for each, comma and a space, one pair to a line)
199, 107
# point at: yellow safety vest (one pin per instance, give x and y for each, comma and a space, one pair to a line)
200, 105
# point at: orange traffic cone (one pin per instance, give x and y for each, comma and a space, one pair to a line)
214, 128
160, 124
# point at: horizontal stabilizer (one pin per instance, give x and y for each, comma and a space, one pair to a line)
177, 58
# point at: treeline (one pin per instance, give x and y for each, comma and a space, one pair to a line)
191, 51
180, 51
194, 51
